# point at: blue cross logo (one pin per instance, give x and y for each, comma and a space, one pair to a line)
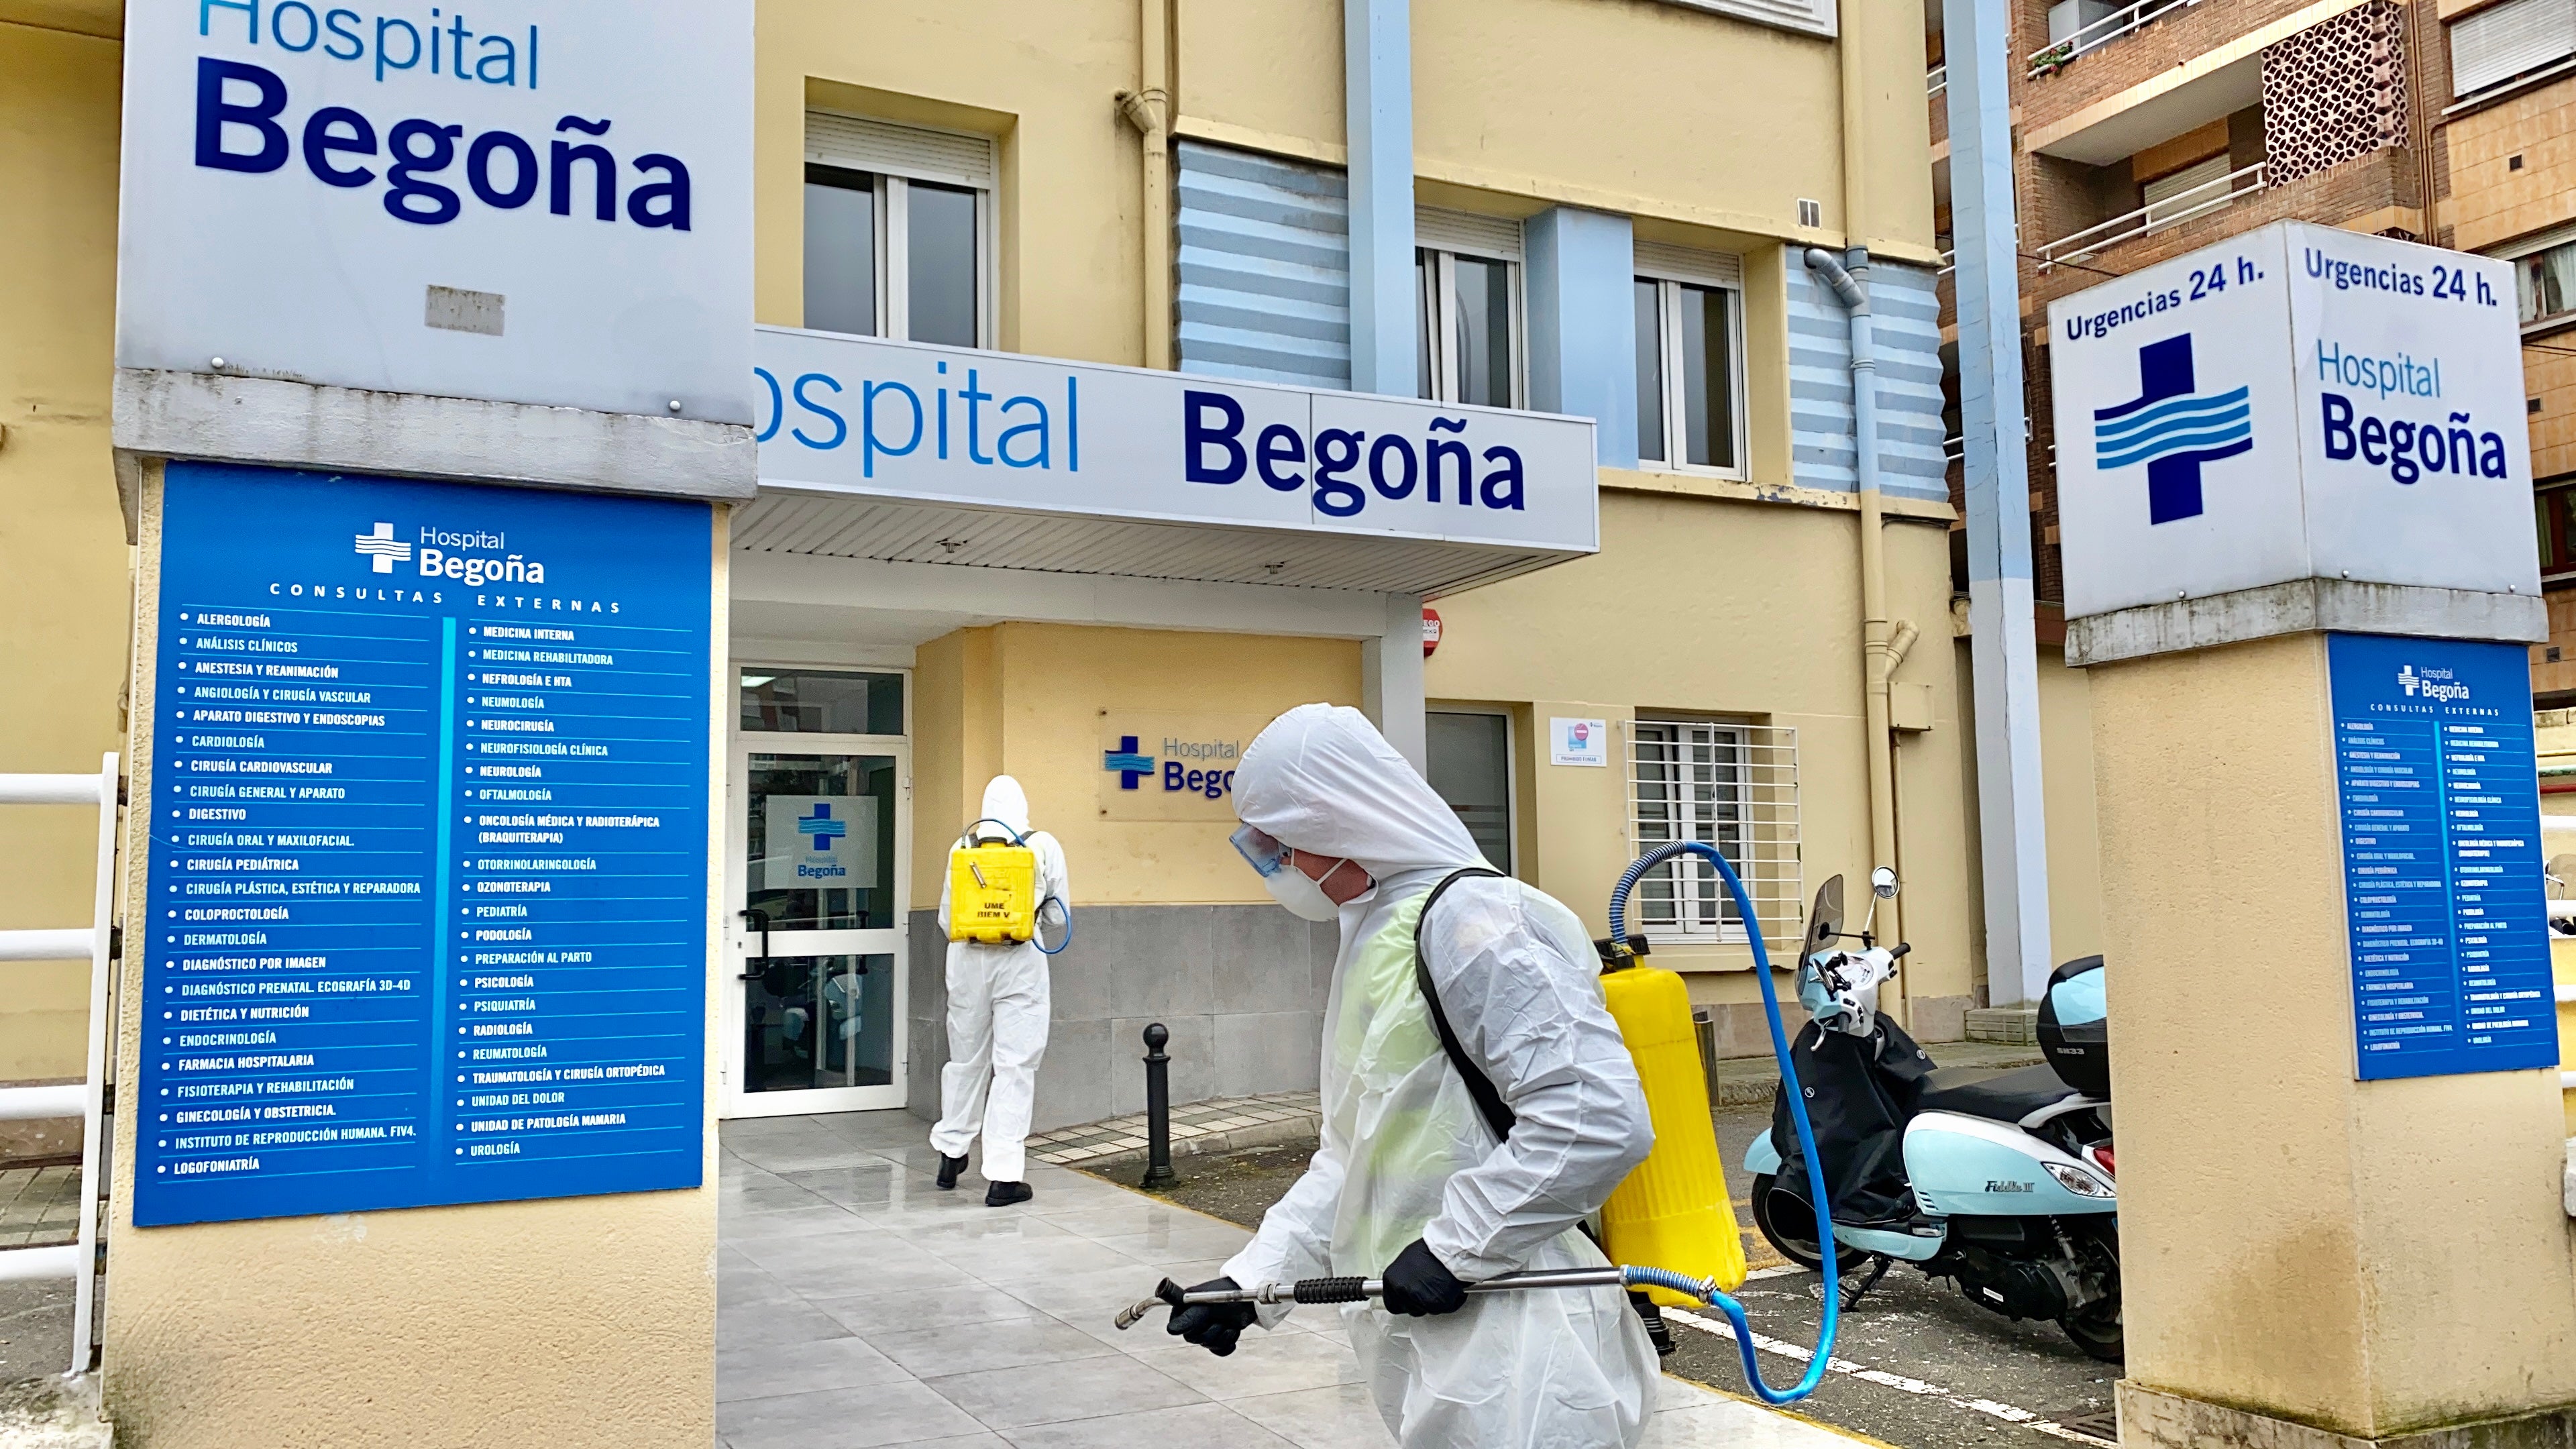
822, 826
1130, 765
2172, 430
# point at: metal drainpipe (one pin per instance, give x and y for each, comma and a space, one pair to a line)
1879, 648
1149, 109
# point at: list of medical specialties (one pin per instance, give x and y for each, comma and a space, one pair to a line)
427, 909
2440, 802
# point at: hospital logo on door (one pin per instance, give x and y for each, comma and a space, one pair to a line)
1172, 766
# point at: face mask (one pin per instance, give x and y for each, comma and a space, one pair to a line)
1301, 894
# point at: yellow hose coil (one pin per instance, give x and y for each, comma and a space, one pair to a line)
1673, 1211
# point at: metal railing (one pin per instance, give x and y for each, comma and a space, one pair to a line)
1936, 80
2155, 216
2054, 55
85, 1099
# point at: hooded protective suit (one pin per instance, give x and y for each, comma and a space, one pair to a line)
1405, 1154
998, 1009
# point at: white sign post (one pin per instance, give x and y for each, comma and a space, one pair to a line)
2298, 403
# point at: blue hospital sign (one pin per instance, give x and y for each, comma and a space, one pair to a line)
2440, 803
426, 915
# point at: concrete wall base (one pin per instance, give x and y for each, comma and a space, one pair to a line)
2153, 1419
1241, 987
2304, 606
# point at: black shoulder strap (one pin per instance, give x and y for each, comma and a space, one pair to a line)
1480, 1087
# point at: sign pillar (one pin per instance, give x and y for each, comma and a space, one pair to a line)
2296, 504
433, 387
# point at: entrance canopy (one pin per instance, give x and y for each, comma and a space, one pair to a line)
908, 453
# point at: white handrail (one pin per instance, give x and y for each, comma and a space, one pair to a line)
2172, 210
76, 1260
1936, 80
2100, 33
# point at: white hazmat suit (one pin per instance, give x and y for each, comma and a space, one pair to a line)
1405, 1154
998, 1008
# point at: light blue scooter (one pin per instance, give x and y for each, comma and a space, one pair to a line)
2011, 1173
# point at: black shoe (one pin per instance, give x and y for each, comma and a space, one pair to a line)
1003, 1194
949, 1167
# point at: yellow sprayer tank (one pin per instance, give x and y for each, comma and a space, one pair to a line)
1673, 1211
992, 891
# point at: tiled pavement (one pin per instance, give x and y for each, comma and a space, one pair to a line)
39, 1205
861, 1307
1218, 1126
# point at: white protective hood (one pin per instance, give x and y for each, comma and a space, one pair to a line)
1005, 801
1322, 779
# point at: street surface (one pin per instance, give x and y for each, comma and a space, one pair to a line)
1919, 1367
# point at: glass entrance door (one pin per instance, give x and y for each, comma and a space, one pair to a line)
815, 1003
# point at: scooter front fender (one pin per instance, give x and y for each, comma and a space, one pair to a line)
1762, 1157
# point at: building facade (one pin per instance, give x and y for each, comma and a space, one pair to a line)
2149, 130
1518, 227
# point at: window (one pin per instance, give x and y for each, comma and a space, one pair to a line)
1470, 755
1733, 786
1466, 309
815, 701
896, 223
1690, 360
2545, 282
2508, 40
2556, 509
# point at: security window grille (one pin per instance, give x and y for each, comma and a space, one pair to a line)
1735, 787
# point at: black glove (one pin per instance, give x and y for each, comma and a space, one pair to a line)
1419, 1284
1213, 1326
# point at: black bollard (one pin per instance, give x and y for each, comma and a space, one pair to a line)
1158, 1107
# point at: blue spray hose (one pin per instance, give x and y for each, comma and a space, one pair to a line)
1725, 1303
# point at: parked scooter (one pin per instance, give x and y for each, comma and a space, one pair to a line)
2000, 1180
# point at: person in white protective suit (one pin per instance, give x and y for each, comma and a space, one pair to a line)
998, 1009
1410, 1183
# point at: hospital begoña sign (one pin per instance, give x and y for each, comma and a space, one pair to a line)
299, 175
2297, 402
860, 415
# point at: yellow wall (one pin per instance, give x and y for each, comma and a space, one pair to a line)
63, 557
571, 1321
2368, 1257
1732, 609
1031, 698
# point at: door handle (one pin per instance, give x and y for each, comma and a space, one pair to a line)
755, 920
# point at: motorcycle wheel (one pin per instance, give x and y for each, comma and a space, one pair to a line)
2096, 1329
1787, 1224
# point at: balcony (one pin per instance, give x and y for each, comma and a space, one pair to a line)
2371, 193
2153, 217
2061, 50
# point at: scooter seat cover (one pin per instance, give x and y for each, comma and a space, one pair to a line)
1995, 1096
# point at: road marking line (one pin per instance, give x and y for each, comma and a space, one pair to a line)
1899, 1382
1776, 1270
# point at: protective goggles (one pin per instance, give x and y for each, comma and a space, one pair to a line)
1266, 856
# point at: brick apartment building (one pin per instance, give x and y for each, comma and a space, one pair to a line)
2148, 130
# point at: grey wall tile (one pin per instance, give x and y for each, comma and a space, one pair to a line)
1162, 960
1073, 1078
1264, 960
1262, 1052
927, 1051
1193, 1053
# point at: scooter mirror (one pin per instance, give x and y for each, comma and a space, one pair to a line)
1883, 883
1825, 921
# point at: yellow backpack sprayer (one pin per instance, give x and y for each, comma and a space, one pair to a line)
1665, 1205
993, 890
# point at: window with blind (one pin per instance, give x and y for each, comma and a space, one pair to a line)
896, 222
1466, 308
1690, 360
2504, 41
